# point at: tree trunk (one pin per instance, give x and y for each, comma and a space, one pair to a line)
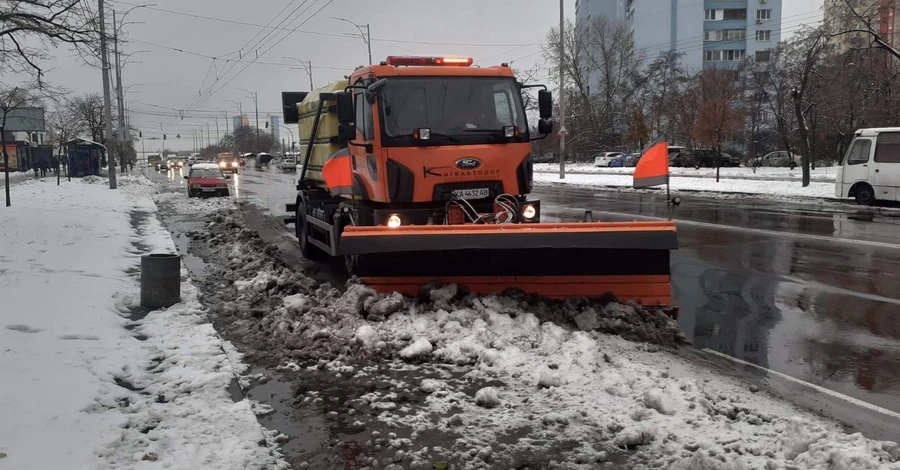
5, 159
804, 135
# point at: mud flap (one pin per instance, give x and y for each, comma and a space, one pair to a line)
628, 260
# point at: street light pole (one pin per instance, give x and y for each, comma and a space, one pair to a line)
107, 111
255, 97
307, 66
366, 36
562, 90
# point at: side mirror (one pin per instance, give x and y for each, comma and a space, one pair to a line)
344, 103
346, 132
545, 126
228, 177
545, 104
187, 177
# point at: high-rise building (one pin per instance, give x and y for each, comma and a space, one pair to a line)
240, 121
710, 33
882, 15
275, 126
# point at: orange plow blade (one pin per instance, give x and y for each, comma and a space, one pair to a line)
629, 260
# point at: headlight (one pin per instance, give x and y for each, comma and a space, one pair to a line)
234, 164
393, 221
222, 165
529, 212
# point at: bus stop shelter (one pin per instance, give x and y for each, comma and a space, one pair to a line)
84, 157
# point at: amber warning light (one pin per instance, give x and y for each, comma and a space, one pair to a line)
412, 61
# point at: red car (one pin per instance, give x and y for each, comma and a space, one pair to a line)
206, 179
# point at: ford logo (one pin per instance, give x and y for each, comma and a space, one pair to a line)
468, 163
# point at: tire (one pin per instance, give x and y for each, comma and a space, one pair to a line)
865, 195
301, 229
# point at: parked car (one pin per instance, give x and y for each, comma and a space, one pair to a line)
781, 158
699, 158
287, 164
206, 179
632, 160
617, 162
605, 158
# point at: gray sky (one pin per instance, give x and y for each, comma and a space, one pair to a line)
162, 81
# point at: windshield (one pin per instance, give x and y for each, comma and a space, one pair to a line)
206, 173
470, 110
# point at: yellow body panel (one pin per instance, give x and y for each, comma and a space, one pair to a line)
328, 128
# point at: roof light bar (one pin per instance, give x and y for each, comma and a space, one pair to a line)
429, 61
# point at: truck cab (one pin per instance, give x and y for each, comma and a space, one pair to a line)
870, 170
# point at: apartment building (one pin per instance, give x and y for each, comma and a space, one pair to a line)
882, 15
710, 33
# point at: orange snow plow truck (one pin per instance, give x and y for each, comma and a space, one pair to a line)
417, 170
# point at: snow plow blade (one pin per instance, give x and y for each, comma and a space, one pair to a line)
629, 260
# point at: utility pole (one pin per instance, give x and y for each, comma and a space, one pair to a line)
107, 111
309, 72
218, 139
208, 136
256, 104
121, 95
562, 89
369, 42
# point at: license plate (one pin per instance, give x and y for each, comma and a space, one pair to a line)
479, 193
209, 190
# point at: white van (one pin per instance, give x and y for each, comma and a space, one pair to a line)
871, 169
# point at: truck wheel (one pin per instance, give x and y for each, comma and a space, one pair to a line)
301, 229
865, 195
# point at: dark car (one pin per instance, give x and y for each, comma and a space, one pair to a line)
698, 158
617, 162
632, 160
545, 158
206, 179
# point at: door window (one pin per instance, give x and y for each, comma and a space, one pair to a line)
859, 152
887, 149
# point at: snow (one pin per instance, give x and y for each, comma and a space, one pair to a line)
487, 397
600, 376
419, 348
677, 183
822, 174
79, 390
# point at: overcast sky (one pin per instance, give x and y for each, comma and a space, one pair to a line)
163, 81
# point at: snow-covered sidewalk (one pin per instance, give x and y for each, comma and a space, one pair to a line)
86, 382
728, 187
821, 174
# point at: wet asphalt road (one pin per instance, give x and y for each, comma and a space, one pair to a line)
808, 290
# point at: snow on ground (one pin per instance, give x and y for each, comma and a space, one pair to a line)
822, 174
559, 379
17, 176
89, 383
724, 187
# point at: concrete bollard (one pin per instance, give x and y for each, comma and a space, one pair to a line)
160, 280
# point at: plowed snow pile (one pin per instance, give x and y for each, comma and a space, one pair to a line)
558, 372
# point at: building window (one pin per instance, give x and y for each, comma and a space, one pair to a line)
735, 14
735, 35
713, 15
763, 56
712, 56
764, 14
733, 55
764, 35
712, 35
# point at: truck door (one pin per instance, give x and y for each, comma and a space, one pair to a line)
886, 168
856, 165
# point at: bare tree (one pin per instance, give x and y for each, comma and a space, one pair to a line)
719, 112
808, 52
602, 68
12, 99
861, 19
88, 111
28, 28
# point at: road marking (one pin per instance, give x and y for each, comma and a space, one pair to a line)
818, 388
761, 231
